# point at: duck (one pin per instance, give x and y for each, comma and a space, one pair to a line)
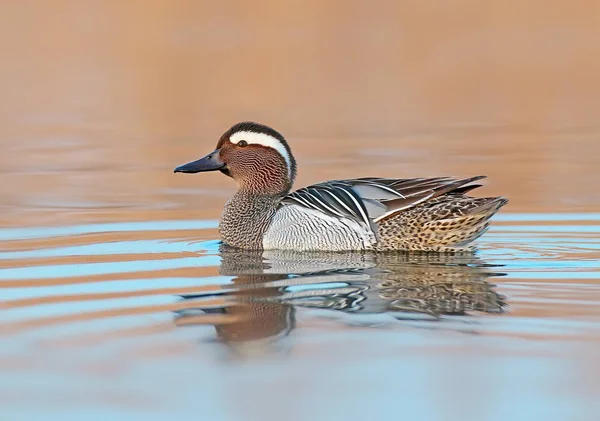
371, 213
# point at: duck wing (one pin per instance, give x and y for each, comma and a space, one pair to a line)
395, 195
371, 199
337, 199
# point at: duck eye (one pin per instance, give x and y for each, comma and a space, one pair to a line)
242, 143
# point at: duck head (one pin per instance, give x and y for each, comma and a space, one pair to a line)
256, 156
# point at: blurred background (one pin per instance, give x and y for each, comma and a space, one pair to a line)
101, 99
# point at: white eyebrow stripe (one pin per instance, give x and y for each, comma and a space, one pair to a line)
264, 140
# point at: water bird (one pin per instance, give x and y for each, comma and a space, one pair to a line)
370, 213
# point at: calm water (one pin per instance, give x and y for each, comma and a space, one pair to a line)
117, 300
155, 319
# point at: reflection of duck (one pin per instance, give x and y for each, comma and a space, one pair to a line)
435, 284
267, 286
433, 214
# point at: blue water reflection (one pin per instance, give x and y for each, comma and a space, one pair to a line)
175, 325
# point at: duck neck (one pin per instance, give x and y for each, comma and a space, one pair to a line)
264, 184
246, 217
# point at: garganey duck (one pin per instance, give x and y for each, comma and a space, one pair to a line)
382, 214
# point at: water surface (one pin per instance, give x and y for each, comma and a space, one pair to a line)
117, 300
157, 319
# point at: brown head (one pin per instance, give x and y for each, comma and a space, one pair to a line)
257, 157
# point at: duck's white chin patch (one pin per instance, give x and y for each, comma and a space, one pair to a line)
264, 140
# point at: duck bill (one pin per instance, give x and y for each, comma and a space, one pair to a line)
210, 162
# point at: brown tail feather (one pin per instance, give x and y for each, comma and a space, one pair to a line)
448, 188
448, 223
424, 192
466, 189
491, 206
461, 230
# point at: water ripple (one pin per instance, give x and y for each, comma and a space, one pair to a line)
169, 291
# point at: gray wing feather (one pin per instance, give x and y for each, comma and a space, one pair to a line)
333, 198
367, 200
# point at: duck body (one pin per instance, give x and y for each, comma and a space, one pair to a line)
381, 214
